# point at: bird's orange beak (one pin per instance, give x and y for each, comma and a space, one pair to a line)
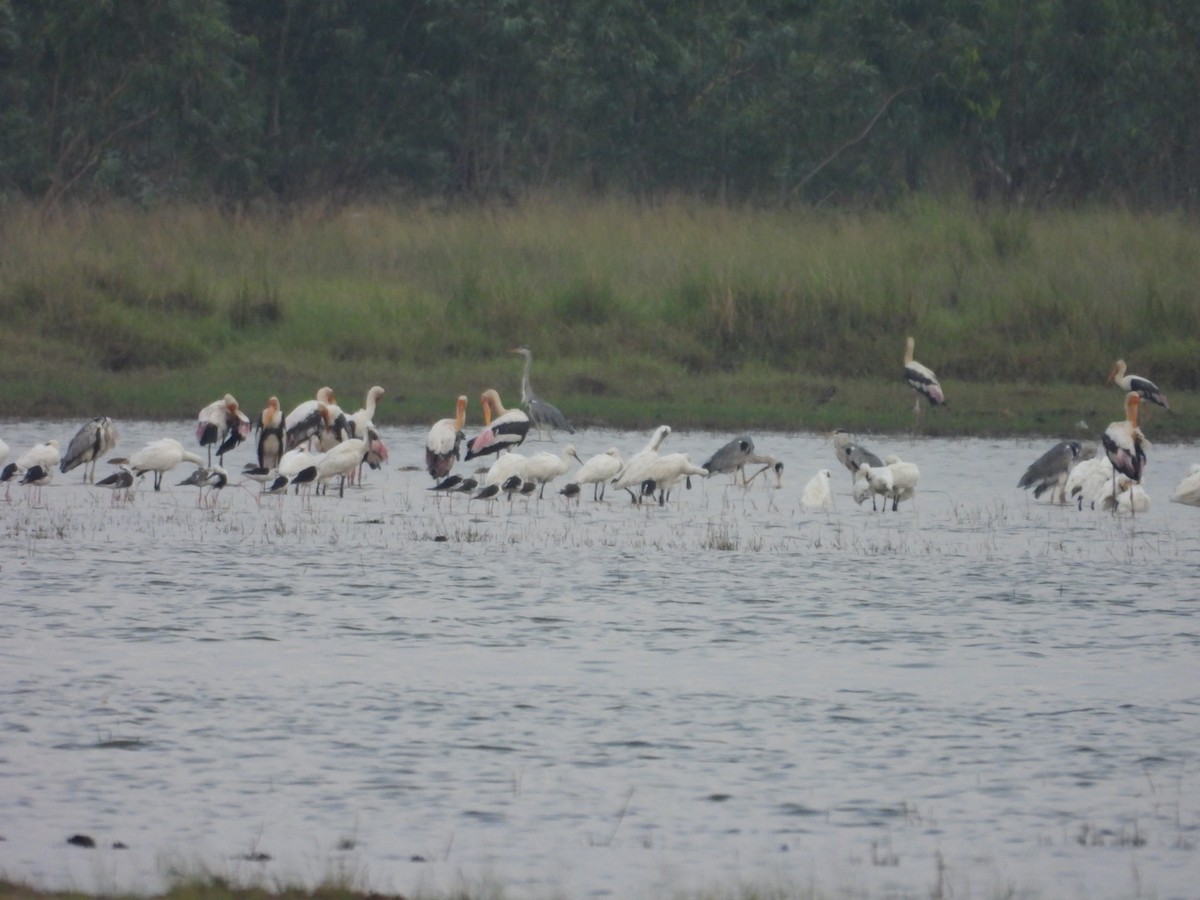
487, 410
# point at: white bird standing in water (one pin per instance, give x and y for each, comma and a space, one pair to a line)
159, 457
91, 441
542, 468
817, 495
598, 470
632, 473
35, 466
905, 476
666, 471
545, 416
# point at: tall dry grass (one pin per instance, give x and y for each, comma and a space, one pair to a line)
622, 303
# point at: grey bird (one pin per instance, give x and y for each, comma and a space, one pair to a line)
1050, 470
739, 453
545, 416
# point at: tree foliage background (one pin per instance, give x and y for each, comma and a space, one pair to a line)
775, 101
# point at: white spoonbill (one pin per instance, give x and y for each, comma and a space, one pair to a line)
598, 470
666, 471
505, 466
1130, 498
545, 416
1124, 443
503, 428
905, 476
878, 481
542, 468
1088, 481
159, 456
444, 440
340, 463
1187, 491
817, 495
632, 472
1144, 387
91, 441
222, 423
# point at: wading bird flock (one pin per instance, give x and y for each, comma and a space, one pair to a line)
318, 443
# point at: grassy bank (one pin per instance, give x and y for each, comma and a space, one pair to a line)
689, 314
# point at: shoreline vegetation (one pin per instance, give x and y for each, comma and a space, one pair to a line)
690, 313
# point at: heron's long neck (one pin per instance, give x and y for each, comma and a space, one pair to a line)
526, 389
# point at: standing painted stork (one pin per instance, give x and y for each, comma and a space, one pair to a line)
598, 470
1144, 387
921, 379
1125, 445
159, 457
1050, 470
361, 424
271, 435
545, 416
222, 423
91, 441
444, 440
503, 429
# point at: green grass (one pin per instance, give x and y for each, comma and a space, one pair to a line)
693, 314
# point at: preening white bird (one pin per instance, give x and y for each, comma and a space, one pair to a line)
291, 464
1088, 481
739, 453
1124, 443
503, 429
319, 420
542, 468
223, 424
271, 435
905, 476
667, 470
545, 416
1130, 498
91, 441
442, 446
631, 474
817, 494
1143, 387
598, 470
159, 457
1049, 471
1187, 491
921, 378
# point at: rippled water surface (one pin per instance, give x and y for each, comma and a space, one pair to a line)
980, 695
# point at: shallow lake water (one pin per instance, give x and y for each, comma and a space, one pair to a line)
980, 695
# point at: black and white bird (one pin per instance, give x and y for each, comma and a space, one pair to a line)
222, 424
1125, 445
90, 443
1143, 387
503, 429
921, 378
546, 416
